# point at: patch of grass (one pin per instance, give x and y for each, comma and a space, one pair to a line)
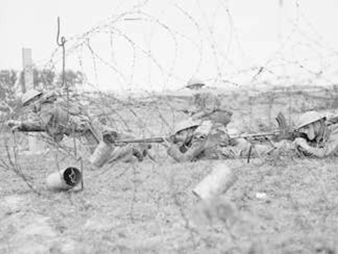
279, 204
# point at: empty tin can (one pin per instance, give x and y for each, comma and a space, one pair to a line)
219, 180
101, 154
64, 179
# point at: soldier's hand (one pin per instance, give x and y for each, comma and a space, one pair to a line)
300, 142
109, 137
301, 151
138, 152
166, 142
13, 124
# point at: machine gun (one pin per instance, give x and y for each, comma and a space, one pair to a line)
284, 132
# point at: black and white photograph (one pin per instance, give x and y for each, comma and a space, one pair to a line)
169, 126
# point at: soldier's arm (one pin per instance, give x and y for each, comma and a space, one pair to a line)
209, 105
198, 115
196, 149
30, 126
37, 123
329, 148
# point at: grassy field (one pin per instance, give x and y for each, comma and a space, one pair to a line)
278, 205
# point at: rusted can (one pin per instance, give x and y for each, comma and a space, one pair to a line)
64, 179
220, 179
101, 154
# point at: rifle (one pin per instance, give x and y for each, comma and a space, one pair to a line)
140, 140
284, 132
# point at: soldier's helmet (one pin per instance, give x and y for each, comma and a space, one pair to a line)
308, 118
186, 124
195, 83
29, 96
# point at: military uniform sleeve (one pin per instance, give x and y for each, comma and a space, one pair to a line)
207, 105
46, 114
329, 148
30, 126
211, 104
33, 123
197, 147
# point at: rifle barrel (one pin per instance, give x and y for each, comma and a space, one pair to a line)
160, 139
141, 140
255, 135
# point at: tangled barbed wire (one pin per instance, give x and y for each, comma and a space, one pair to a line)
114, 55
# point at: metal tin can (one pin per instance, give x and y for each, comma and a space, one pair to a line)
64, 179
220, 179
101, 154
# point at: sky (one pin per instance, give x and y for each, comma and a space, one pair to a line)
155, 45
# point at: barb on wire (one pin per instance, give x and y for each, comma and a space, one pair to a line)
13, 165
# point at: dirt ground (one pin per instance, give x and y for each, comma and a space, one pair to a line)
277, 205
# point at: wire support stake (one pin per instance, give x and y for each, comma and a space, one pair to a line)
61, 43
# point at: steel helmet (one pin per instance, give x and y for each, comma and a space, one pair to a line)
194, 82
185, 124
30, 95
308, 118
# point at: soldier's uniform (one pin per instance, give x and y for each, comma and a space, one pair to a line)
326, 146
212, 143
59, 118
208, 107
128, 152
325, 143
206, 102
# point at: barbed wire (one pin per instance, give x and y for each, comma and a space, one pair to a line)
152, 114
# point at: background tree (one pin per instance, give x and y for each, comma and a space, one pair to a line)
9, 98
73, 79
43, 79
48, 79
8, 80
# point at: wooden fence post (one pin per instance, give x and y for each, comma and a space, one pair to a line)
34, 144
